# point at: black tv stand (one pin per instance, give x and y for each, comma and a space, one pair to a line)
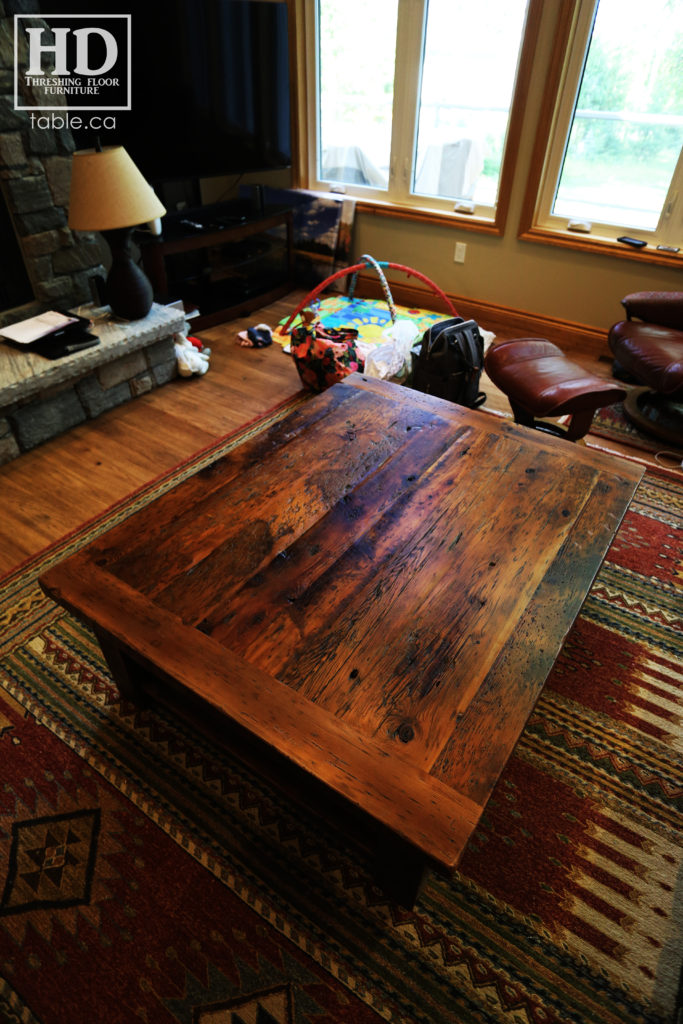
224, 260
201, 223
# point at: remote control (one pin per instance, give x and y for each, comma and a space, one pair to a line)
637, 243
79, 346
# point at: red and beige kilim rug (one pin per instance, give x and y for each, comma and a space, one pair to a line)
146, 875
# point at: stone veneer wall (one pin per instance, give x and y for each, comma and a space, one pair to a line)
35, 173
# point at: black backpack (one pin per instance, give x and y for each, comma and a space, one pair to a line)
448, 362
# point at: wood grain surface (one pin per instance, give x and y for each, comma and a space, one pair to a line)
377, 588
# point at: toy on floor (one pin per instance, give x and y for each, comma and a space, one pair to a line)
256, 337
191, 354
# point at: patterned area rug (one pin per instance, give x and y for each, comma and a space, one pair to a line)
146, 874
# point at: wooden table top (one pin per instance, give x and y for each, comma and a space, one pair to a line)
377, 587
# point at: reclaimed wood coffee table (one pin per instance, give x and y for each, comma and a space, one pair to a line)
374, 590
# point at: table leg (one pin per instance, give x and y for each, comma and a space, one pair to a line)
127, 674
400, 870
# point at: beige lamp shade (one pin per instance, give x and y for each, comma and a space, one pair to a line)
108, 192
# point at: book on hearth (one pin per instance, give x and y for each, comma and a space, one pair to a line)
27, 331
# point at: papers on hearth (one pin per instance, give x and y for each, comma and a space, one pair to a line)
28, 331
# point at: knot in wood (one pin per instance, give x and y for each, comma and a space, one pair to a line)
405, 732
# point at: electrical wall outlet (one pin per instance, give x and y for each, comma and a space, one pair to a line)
459, 254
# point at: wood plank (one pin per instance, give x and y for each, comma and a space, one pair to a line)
420, 809
490, 726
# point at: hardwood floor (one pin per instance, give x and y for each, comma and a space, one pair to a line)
50, 491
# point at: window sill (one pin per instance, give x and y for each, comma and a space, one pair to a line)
601, 246
468, 222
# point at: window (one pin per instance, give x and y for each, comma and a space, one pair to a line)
613, 162
412, 102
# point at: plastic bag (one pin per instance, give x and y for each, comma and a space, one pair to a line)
391, 358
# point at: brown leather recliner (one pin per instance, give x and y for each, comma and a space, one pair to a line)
648, 347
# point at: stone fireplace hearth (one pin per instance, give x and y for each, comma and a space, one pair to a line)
41, 398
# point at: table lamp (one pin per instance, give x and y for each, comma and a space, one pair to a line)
110, 195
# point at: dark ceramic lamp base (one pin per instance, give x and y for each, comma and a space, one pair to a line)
128, 291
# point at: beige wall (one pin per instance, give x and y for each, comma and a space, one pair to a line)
571, 285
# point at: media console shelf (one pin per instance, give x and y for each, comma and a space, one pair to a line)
224, 260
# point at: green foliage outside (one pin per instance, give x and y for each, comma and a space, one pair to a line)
617, 82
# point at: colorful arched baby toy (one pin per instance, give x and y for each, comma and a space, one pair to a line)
325, 355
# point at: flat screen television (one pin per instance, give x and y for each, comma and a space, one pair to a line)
210, 87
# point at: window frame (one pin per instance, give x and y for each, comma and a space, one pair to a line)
537, 223
400, 203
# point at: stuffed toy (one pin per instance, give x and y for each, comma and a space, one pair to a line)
191, 354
